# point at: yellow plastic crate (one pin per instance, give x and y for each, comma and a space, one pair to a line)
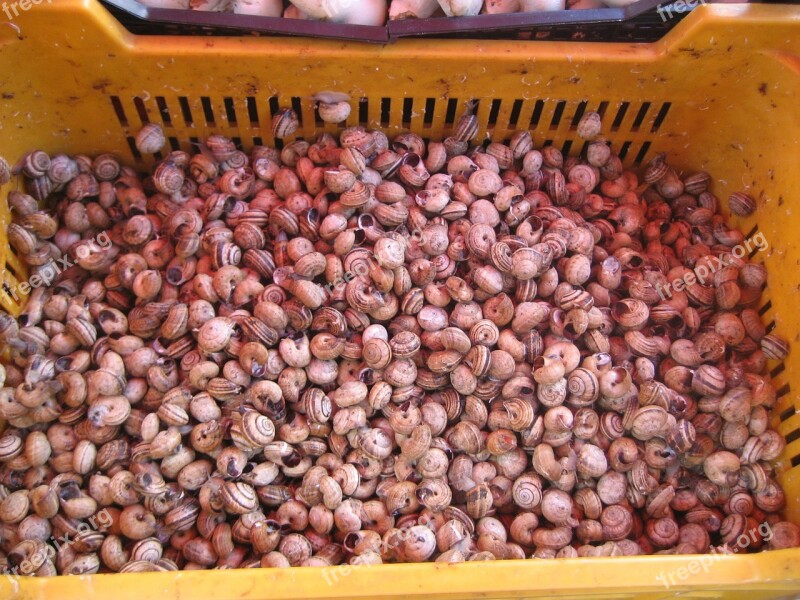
718, 93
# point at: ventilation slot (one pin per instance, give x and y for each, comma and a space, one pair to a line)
252, 110
10, 283
623, 151
208, 110
166, 117
450, 115
408, 111
662, 114
119, 111
765, 308
386, 109
537, 113
430, 107
620, 116
297, 107
516, 110
10, 270
363, 112
642, 153
141, 110
186, 111
777, 370
230, 110
637, 122
494, 111
787, 414
579, 112
274, 106
793, 436
134, 150
557, 114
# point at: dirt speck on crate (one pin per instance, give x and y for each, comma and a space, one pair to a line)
101, 84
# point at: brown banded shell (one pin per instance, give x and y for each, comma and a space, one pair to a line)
356, 196
774, 347
466, 128
258, 429
583, 387
434, 494
590, 126
484, 182
405, 344
390, 192
741, 204
377, 353
238, 498
334, 112
284, 123
150, 139
479, 360
527, 491
479, 501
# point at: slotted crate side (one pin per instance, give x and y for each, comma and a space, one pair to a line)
717, 94
247, 119
13, 270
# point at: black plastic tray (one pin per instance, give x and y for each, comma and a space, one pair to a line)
139, 18
638, 22
438, 26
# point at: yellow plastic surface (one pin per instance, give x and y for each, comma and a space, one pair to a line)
719, 93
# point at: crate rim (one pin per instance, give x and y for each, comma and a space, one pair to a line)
776, 571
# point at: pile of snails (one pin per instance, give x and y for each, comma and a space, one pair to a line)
367, 350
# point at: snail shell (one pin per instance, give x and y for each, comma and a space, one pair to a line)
334, 112
284, 123
741, 204
527, 491
150, 139
590, 126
